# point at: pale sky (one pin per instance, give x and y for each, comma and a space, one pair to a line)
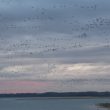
54, 45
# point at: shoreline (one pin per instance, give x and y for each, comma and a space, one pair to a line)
104, 105
45, 98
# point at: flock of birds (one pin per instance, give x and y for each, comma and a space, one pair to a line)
79, 33
43, 45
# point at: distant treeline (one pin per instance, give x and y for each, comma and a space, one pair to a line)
62, 94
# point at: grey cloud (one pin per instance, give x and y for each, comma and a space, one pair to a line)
57, 17
55, 32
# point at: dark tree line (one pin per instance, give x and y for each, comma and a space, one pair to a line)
55, 94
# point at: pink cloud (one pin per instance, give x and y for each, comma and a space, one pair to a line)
22, 86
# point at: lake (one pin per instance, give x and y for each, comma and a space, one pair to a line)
51, 104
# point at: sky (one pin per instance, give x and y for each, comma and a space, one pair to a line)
54, 46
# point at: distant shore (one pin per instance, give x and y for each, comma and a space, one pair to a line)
58, 95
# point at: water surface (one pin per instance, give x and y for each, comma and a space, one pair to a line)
51, 104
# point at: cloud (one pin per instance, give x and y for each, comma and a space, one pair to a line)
15, 86
17, 69
53, 72
55, 41
33, 17
80, 71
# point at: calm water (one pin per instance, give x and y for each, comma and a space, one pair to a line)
51, 104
